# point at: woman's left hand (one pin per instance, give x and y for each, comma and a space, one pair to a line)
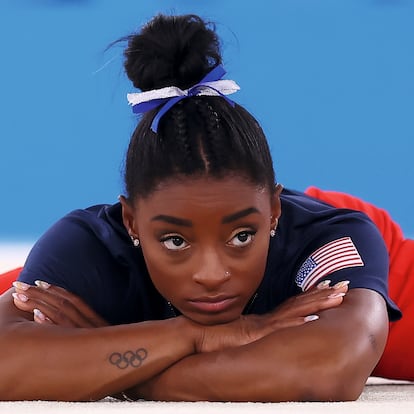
55, 305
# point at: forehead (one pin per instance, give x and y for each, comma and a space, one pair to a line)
206, 193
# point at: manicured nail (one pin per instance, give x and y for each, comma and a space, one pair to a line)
311, 318
39, 315
20, 297
42, 284
342, 284
21, 285
336, 295
324, 284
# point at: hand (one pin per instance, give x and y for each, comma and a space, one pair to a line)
54, 305
302, 308
295, 311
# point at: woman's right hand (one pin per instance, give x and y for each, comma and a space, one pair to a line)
295, 311
54, 305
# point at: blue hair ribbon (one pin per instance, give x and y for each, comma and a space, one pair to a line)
211, 85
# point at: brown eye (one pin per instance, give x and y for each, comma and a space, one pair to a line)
174, 242
243, 238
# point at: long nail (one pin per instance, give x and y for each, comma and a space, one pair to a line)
21, 285
20, 297
39, 315
43, 285
342, 284
311, 318
336, 295
323, 285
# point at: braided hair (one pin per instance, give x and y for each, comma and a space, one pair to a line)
199, 136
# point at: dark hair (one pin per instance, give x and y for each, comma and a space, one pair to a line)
201, 135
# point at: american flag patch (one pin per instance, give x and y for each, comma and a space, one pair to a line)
335, 255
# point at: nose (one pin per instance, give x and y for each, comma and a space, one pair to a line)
211, 272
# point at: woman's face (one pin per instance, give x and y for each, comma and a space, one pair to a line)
205, 243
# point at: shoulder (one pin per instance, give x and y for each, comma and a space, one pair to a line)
307, 221
88, 253
83, 238
317, 241
390, 230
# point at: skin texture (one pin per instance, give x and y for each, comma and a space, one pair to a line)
283, 356
222, 245
326, 360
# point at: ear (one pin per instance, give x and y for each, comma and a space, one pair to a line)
128, 216
276, 206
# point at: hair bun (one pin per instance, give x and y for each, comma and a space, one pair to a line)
171, 51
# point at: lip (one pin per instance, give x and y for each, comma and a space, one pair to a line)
213, 304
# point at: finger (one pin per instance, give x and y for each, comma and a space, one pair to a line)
28, 298
59, 305
20, 301
325, 300
343, 285
82, 309
42, 312
40, 317
292, 322
322, 291
307, 304
325, 284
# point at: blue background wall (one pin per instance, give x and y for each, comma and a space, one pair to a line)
331, 81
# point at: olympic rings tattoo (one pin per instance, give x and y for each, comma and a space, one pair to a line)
128, 358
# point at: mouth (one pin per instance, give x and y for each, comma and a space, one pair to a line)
213, 304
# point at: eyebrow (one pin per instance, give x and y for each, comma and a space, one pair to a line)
239, 214
173, 220
188, 223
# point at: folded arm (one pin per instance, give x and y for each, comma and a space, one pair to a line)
43, 361
327, 360
95, 361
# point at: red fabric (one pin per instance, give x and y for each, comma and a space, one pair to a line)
398, 358
6, 279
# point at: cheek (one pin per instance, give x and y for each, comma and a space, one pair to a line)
173, 279
257, 264
165, 276
250, 269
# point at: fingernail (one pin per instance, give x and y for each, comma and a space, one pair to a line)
311, 318
21, 285
336, 295
42, 284
342, 284
39, 314
324, 284
20, 297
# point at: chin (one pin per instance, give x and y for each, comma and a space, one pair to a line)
214, 318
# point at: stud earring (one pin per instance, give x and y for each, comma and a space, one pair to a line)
135, 241
273, 231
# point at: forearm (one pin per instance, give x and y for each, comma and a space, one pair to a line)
273, 369
323, 361
53, 363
